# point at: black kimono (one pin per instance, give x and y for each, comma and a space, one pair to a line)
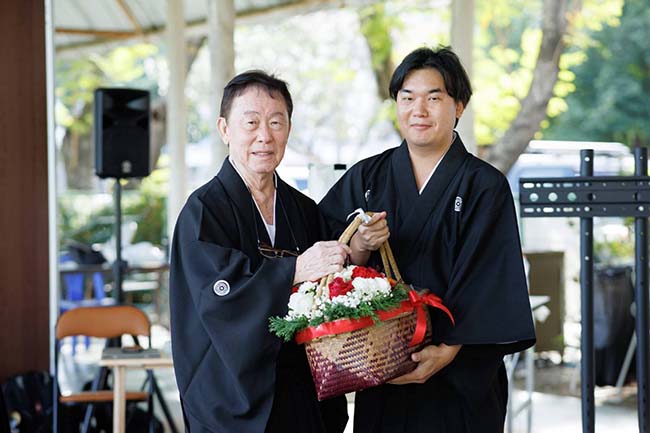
460, 240
233, 375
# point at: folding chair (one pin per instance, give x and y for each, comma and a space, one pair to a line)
101, 322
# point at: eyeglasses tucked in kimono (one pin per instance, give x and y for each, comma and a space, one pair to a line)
266, 250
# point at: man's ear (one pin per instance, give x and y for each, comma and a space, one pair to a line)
222, 126
460, 108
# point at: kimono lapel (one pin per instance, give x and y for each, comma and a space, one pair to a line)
241, 199
419, 208
292, 222
404, 184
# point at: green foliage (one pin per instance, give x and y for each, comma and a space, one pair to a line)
612, 86
615, 247
376, 25
89, 218
508, 42
286, 329
77, 79
614, 252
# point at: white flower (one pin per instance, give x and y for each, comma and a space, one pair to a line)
368, 288
346, 273
307, 287
305, 302
349, 300
300, 304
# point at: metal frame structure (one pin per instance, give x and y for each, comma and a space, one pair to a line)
588, 196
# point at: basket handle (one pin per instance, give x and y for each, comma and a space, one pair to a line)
387, 258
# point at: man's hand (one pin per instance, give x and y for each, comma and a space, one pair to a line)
368, 238
430, 360
320, 259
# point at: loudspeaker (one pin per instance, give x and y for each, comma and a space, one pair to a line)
121, 133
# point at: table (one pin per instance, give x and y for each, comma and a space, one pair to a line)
119, 366
512, 411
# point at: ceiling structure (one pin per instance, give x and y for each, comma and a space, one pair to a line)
82, 23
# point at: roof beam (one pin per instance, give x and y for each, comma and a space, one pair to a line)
131, 16
106, 34
200, 26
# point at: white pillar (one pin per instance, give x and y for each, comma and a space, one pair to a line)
462, 42
176, 112
221, 30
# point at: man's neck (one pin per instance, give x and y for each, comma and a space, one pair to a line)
260, 185
429, 155
425, 158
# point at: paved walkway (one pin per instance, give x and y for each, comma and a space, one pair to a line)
551, 413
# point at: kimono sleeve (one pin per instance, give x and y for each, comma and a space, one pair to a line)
487, 288
222, 308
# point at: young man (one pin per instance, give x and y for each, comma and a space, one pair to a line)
452, 225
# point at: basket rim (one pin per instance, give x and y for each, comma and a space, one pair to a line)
346, 325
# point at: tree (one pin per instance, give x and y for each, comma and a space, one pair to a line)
521, 68
533, 107
612, 97
564, 23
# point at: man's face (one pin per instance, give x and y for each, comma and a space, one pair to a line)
425, 111
257, 130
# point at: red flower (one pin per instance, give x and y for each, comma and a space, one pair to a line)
364, 272
294, 289
339, 287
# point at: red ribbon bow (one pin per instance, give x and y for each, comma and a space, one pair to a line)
418, 302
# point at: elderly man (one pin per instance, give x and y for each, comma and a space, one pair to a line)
241, 242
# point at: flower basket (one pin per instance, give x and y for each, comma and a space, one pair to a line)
359, 327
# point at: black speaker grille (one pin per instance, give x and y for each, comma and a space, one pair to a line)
122, 133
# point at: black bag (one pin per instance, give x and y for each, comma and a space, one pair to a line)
137, 421
84, 254
28, 401
136, 418
4, 416
613, 322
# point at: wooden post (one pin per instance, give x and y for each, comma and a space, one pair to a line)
221, 29
176, 112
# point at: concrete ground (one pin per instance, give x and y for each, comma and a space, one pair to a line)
556, 404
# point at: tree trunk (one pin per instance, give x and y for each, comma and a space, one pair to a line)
77, 155
533, 107
375, 27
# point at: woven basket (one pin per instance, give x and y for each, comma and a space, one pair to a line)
366, 357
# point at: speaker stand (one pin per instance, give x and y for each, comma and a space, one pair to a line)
119, 266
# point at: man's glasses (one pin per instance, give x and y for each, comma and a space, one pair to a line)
269, 252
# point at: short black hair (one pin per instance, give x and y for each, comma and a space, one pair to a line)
254, 78
445, 61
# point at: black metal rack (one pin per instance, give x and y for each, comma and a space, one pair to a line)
588, 196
